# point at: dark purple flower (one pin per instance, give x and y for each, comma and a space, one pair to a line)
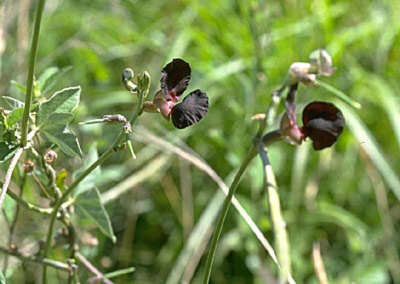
193, 107
175, 77
323, 123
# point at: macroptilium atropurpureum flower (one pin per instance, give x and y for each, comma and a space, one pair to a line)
175, 77
322, 122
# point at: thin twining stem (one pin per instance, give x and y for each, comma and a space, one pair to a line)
92, 268
224, 211
29, 206
7, 178
267, 139
44, 261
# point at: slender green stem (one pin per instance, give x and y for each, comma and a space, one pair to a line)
279, 225
119, 272
224, 211
267, 139
29, 206
81, 177
31, 71
44, 261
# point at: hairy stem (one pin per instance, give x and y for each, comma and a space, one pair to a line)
29, 206
31, 71
7, 178
82, 176
92, 268
44, 261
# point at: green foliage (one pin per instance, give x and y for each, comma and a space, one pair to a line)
64, 139
53, 116
89, 206
2, 279
89, 182
63, 102
6, 151
239, 51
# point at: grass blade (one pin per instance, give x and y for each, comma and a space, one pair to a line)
371, 147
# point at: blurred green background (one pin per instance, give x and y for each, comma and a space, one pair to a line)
342, 198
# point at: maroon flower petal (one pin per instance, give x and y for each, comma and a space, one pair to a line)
191, 110
175, 77
323, 123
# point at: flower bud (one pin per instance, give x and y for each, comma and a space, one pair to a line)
321, 62
302, 72
127, 77
28, 166
127, 74
50, 156
144, 80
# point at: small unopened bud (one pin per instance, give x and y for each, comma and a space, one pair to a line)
302, 72
50, 156
127, 77
127, 74
144, 80
321, 62
127, 128
27, 166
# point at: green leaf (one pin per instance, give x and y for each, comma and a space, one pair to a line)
6, 152
13, 102
46, 76
64, 139
62, 102
89, 206
14, 117
9, 208
60, 179
58, 120
19, 86
339, 94
2, 279
89, 182
51, 81
371, 147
